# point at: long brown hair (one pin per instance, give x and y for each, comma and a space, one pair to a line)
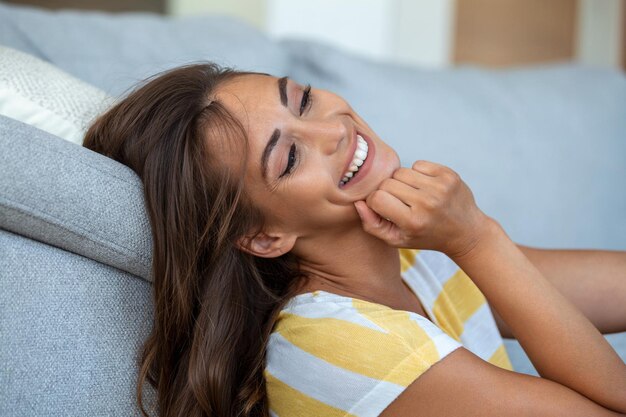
214, 305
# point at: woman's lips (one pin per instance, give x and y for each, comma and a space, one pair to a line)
365, 168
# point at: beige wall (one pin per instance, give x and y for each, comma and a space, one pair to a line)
600, 32
253, 11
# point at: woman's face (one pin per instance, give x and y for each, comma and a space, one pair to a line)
300, 148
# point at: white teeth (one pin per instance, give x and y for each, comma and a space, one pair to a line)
360, 155
361, 143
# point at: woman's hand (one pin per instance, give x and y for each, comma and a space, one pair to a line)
427, 206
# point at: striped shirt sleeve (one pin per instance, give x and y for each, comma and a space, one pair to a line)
351, 359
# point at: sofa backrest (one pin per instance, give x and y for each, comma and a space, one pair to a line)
75, 300
114, 51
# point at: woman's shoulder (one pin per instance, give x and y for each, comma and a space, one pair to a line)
330, 315
324, 342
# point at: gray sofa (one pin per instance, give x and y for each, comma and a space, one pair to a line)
543, 149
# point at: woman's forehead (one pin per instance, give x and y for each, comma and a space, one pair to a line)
248, 87
255, 101
252, 99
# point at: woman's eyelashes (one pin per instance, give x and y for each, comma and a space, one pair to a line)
307, 99
291, 160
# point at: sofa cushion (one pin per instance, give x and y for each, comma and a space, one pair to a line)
71, 197
39, 94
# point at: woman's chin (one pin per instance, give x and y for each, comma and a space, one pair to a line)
388, 162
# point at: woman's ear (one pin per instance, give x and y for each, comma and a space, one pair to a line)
267, 245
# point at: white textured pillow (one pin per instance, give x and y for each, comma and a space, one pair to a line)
39, 94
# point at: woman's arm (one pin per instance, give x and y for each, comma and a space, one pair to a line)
561, 343
430, 206
593, 280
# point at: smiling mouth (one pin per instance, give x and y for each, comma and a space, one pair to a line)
359, 157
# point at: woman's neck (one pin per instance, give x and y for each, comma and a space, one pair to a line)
353, 264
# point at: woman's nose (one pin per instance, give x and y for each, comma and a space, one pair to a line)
327, 134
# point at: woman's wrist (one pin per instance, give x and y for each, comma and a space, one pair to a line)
486, 231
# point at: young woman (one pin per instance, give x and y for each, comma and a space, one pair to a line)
280, 287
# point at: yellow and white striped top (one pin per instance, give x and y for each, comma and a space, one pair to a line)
330, 355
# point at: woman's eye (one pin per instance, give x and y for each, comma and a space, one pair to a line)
306, 99
291, 160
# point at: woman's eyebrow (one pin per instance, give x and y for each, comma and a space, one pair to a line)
271, 143
266, 152
282, 90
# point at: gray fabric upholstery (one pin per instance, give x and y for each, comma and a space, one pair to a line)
68, 196
542, 148
70, 332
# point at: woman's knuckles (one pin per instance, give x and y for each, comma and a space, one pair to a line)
428, 167
386, 184
403, 174
376, 200
431, 202
415, 224
417, 165
451, 179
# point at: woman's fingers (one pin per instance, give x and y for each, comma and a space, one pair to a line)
374, 224
427, 206
404, 192
381, 214
388, 206
411, 177
415, 189
429, 168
